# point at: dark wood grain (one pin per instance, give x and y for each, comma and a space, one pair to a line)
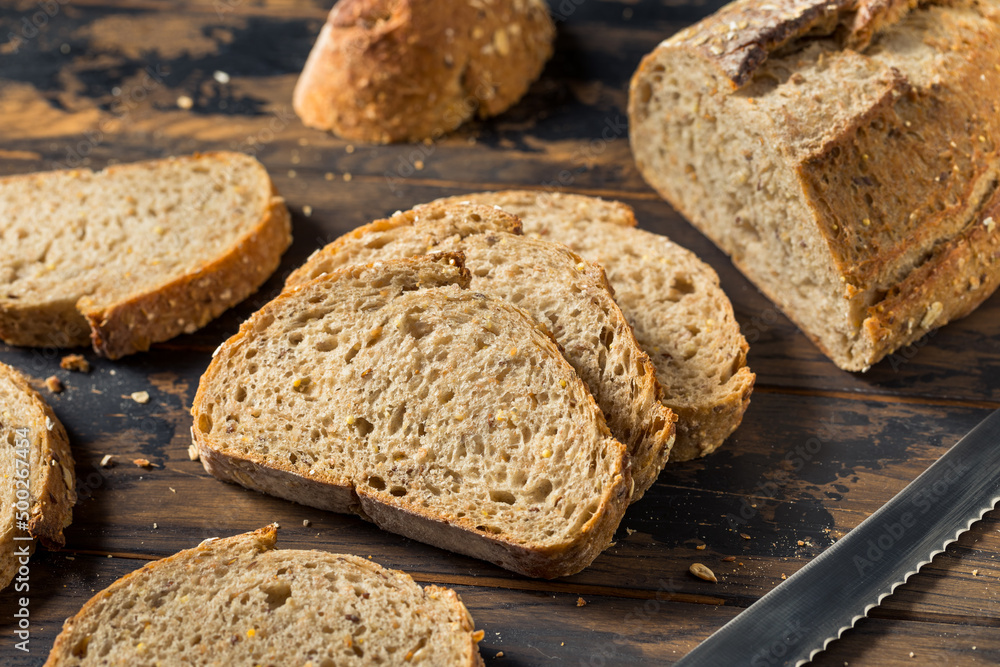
820, 449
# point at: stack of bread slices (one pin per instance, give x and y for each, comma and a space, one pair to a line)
497, 393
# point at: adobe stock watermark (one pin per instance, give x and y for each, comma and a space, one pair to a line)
125, 101
31, 25
893, 531
22, 539
795, 459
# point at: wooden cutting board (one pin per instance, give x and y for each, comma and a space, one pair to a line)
104, 81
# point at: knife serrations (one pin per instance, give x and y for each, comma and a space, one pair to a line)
813, 607
906, 577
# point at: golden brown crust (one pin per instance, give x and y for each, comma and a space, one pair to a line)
403, 70
53, 483
191, 301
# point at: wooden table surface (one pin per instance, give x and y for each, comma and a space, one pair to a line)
98, 82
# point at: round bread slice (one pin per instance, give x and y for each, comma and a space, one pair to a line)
37, 486
437, 412
240, 601
672, 299
405, 70
551, 283
136, 253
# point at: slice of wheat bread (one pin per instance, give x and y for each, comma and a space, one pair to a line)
569, 296
136, 253
37, 486
439, 413
240, 601
678, 312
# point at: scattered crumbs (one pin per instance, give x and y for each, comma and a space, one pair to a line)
75, 362
110, 556
702, 572
172, 489
328, 176
562, 643
418, 165
911, 654
349, 148
291, 173
108, 461
306, 522
700, 547
347, 176
142, 463
729, 559
630, 531
140, 397
499, 654
307, 210
54, 384
580, 602
193, 452
744, 536
185, 102
155, 525
975, 573
72, 558
112, 372
221, 77
801, 543
783, 577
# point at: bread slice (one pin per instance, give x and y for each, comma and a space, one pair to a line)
240, 601
569, 296
415, 69
439, 413
845, 154
137, 253
37, 486
680, 315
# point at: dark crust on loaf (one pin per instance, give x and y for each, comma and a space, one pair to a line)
403, 70
740, 36
52, 509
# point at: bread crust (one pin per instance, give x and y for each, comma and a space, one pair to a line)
460, 534
403, 70
895, 165
180, 305
54, 490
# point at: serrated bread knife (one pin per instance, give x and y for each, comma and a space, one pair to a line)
797, 619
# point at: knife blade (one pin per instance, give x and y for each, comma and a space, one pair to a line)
802, 615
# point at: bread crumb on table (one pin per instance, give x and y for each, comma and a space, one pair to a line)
306, 522
702, 572
580, 602
75, 362
54, 384
108, 461
142, 463
185, 102
499, 654
140, 397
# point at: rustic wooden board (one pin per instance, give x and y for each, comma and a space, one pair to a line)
819, 450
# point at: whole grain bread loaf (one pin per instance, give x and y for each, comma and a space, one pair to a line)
439, 413
37, 486
845, 154
568, 295
404, 70
240, 601
678, 312
136, 253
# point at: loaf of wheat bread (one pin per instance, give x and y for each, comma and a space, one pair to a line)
37, 486
405, 70
134, 254
240, 601
844, 154
569, 296
678, 312
394, 392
